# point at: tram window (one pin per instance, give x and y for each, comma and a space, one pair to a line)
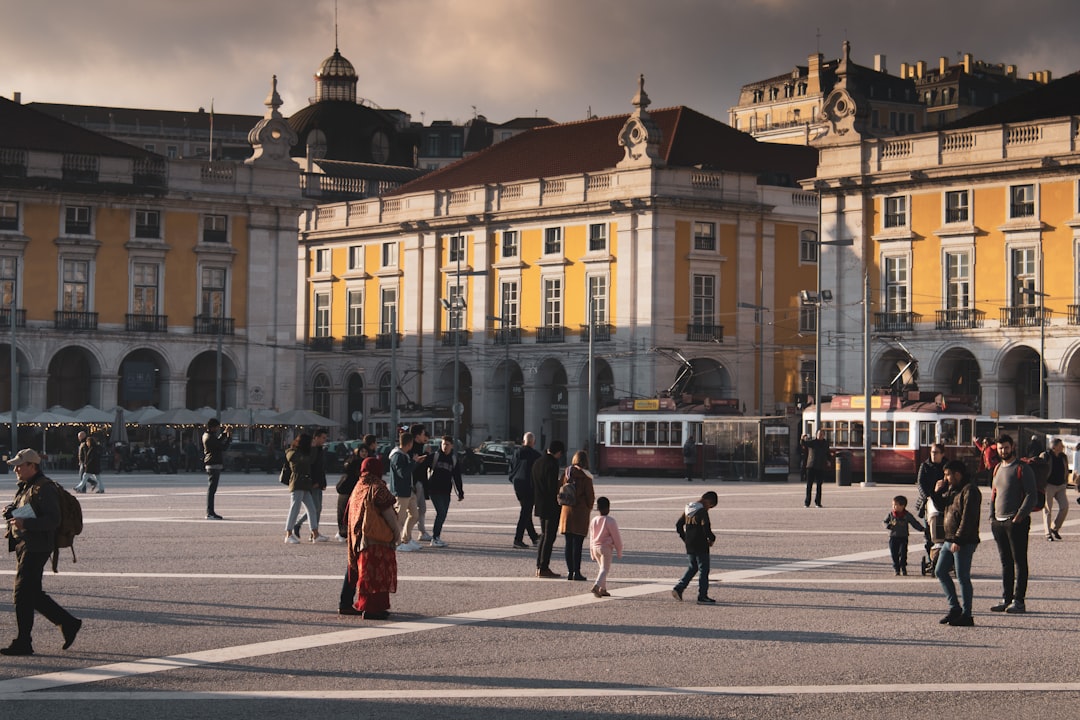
628, 433
842, 432
827, 428
662, 433
856, 434
616, 436
885, 433
676, 433
903, 434
600, 428
650, 433
927, 433
948, 431
639, 433
966, 432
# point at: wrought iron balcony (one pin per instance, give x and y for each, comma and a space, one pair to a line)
958, 319
896, 321
206, 325
1074, 315
1025, 316
704, 332
146, 323
551, 334
385, 341
78, 321
507, 336
451, 338
602, 330
354, 342
5, 318
322, 343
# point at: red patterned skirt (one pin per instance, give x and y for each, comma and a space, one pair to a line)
377, 567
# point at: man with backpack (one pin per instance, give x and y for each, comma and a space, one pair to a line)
32, 522
444, 476
1012, 500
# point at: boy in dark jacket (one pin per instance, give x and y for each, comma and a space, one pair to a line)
898, 521
961, 501
695, 530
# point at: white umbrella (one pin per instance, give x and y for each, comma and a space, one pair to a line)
142, 415
118, 433
177, 416
91, 414
302, 417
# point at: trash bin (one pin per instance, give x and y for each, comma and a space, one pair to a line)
843, 469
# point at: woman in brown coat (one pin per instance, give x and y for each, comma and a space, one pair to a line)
574, 521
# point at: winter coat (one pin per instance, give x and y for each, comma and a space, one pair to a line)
961, 510
299, 469
574, 519
695, 529
545, 483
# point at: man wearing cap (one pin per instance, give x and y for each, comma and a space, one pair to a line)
32, 519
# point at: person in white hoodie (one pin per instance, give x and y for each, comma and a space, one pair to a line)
604, 541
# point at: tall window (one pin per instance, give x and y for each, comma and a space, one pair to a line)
147, 224
213, 292
808, 246
356, 312
510, 306
704, 236
1023, 272
599, 299
388, 319
322, 314
457, 249
385, 391
957, 281
76, 285
9, 215
9, 269
77, 220
553, 302
389, 254
356, 257
896, 284
598, 237
896, 211
956, 206
1022, 201
320, 394
808, 318
215, 229
553, 241
808, 376
704, 300
510, 244
144, 289
322, 260
455, 314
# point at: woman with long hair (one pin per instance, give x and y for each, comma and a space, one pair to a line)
574, 520
372, 569
300, 458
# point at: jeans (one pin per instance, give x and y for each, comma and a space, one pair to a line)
441, 503
316, 502
548, 528
298, 497
1055, 493
574, 543
86, 478
699, 565
961, 559
898, 547
1012, 545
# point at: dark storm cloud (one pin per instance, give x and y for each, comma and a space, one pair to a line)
506, 58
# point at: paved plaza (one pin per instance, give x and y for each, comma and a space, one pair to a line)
186, 617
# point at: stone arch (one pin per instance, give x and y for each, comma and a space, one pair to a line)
444, 389
1018, 377
553, 397
710, 379
73, 378
22, 369
957, 372
894, 369
144, 375
202, 380
354, 403
505, 400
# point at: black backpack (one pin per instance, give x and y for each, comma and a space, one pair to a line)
71, 523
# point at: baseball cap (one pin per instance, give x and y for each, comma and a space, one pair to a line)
26, 455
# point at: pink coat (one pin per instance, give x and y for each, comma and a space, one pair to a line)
604, 532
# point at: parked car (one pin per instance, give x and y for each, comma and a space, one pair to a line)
247, 456
337, 452
495, 456
470, 462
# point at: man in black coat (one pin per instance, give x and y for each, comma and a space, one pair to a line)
521, 476
545, 485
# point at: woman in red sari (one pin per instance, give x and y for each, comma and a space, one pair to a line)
372, 565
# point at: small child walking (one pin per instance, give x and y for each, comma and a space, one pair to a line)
604, 541
695, 530
898, 521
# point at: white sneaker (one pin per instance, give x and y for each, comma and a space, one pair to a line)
292, 540
340, 538
406, 547
424, 537
437, 542
320, 538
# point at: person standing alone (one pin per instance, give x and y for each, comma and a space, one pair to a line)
1012, 499
817, 464
214, 442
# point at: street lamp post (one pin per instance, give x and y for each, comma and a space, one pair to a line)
506, 367
1033, 293
817, 320
591, 414
758, 309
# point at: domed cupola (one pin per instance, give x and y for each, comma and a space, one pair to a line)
336, 79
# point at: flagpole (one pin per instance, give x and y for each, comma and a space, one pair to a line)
211, 129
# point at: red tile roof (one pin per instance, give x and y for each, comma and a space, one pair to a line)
689, 139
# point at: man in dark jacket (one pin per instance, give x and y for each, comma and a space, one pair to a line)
214, 443
32, 520
444, 476
960, 500
420, 455
545, 485
89, 457
521, 476
817, 465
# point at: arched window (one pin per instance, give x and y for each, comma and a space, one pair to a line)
384, 391
321, 395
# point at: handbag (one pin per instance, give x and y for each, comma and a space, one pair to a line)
568, 492
374, 528
285, 475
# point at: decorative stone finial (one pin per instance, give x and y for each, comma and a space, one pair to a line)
639, 135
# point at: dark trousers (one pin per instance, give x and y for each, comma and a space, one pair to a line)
213, 477
441, 503
29, 596
814, 478
342, 515
574, 544
898, 548
699, 565
348, 591
1012, 544
525, 521
548, 529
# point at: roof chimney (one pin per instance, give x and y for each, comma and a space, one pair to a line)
968, 58
903, 70
943, 65
17, 98
920, 69
1010, 71
879, 63
1047, 76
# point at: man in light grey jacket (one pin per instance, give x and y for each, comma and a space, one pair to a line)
1013, 499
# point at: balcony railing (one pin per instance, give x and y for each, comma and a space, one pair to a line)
958, 319
704, 332
1074, 318
551, 334
1025, 316
323, 343
507, 336
385, 341
451, 338
354, 342
78, 321
205, 325
896, 321
146, 323
5, 318
603, 333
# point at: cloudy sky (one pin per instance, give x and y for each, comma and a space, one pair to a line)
440, 59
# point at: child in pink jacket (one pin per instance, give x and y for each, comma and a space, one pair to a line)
604, 540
